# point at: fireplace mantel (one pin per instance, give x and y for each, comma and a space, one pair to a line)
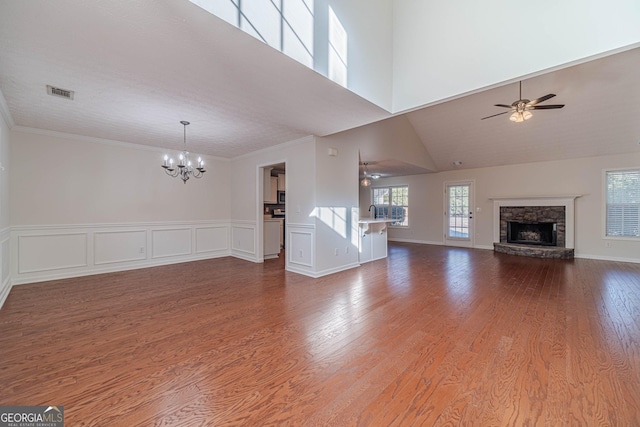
568, 201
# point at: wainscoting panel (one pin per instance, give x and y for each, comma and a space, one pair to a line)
50, 252
212, 239
243, 240
119, 246
170, 242
42, 252
301, 244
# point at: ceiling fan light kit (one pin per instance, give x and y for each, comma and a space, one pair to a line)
521, 109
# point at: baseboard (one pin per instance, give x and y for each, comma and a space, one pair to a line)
113, 269
608, 258
485, 247
421, 242
318, 274
242, 256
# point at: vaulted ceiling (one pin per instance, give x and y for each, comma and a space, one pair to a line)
138, 68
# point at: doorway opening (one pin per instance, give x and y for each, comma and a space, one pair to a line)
274, 186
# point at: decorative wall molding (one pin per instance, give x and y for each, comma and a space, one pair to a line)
301, 246
243, 240
51, 252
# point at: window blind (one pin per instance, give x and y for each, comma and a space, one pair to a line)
623, 203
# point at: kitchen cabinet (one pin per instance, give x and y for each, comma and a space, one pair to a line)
282, 233
271, 238
270, 184
282, 183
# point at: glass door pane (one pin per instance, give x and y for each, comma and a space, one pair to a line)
458, 212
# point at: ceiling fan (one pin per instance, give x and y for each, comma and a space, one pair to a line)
521, 109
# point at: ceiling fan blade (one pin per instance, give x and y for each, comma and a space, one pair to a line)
545, 107
541, 99
502, 105
499, 114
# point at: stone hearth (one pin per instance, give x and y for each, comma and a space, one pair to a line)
533, 251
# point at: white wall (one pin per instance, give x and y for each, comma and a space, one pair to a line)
390, 139
83, 206
578, 176
336, 202
5, 236
443, 49
369, 27
246, 203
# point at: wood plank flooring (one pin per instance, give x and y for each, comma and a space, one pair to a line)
429, 336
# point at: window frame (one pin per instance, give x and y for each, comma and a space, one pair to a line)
605, 194
390, 187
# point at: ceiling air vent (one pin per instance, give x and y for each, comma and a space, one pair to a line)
62, 93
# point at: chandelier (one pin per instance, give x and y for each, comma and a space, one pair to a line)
184, 169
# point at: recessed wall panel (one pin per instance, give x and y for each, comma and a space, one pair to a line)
171, 242
51, 252
210, 239
119, 246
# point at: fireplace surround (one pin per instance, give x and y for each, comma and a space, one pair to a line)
543, 226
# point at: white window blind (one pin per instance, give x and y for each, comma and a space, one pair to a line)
623, 203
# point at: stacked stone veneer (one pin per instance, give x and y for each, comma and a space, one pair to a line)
534, 214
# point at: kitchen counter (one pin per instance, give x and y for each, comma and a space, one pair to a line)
372, 238
369, 225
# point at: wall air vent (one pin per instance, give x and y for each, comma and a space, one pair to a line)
62, 93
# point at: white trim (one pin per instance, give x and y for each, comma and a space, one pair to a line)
61, 267
322, 273
607, 258
94, 267
120, 225
111, 142
290, 251
244, 257
154, 256
141, 258
471, 241
300, 225
113, 269
483, 247
6, 115
304, 139
567, 196
421, 242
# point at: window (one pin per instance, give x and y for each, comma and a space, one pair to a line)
286, 25
623, 203
392, 203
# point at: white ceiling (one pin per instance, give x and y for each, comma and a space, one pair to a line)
138, 68
600, 117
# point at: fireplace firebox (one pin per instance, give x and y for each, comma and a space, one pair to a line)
532, 233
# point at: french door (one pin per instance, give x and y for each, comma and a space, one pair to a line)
459, 203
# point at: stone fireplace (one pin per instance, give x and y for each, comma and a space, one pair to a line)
540, 227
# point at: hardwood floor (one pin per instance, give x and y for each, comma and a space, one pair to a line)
429, 336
